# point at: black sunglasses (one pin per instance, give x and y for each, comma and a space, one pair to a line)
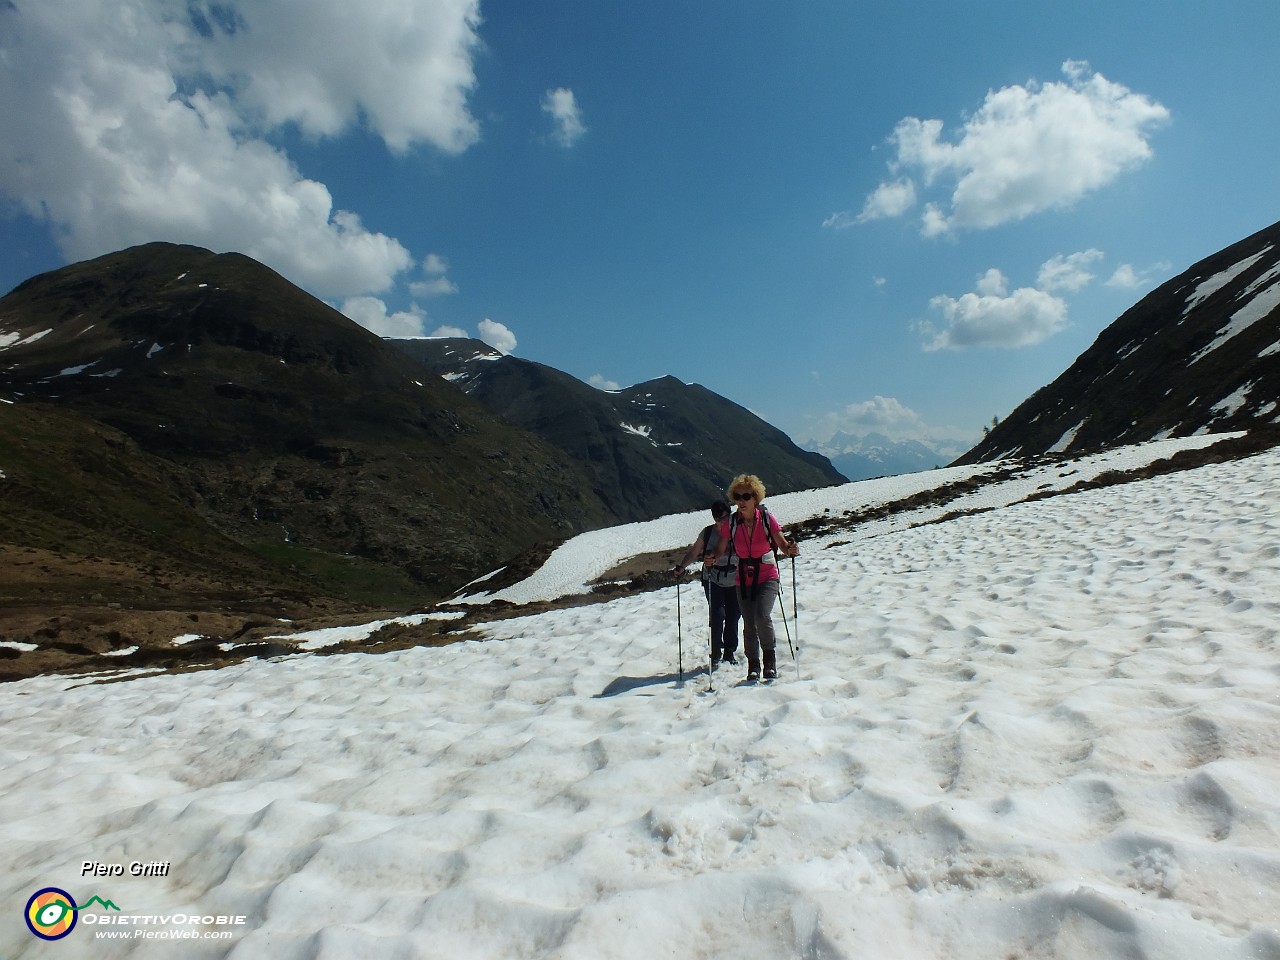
744, 496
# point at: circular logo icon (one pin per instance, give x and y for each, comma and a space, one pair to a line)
51, 913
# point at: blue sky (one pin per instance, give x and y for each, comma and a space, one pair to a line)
895, 217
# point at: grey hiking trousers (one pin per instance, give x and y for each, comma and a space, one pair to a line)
757, 625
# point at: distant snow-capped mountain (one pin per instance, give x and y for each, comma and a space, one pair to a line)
862, 457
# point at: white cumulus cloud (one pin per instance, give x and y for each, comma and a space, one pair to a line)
1025, 150
991, 316
993, 283
1129, 277
602, 383
371, 313
1019, 319
562, 105
446, 333
435, 283
1070, 272
497, 335
892, 199
145, 120
886, 415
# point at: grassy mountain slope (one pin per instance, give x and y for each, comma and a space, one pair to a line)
316, 455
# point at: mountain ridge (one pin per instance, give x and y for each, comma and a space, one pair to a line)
661, 446
295, 432
1200, 352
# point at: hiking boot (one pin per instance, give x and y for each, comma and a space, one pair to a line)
770, 673
753, 676
729, 658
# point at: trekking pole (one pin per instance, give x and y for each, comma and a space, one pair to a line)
795, 614
786, 627
711, 653
679, 633
711, 668
783, 605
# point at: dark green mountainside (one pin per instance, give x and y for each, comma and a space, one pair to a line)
178, 426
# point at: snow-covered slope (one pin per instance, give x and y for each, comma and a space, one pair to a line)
584, 558
1048, 730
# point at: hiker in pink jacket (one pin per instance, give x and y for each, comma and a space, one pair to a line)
753, 535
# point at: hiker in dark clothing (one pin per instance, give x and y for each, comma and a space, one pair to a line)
752, 534
719, 582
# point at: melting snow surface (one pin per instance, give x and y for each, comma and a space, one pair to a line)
332, 636
574, 564
1048, 730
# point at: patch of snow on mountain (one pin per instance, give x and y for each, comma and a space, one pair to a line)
1265, 280
1229, 405
1262, 304
13, 339
75, 371
1067, 438
640, 431
1220, 280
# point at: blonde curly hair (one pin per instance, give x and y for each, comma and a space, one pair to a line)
746, 481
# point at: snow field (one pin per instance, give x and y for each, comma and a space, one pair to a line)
573, 565
1048, 730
